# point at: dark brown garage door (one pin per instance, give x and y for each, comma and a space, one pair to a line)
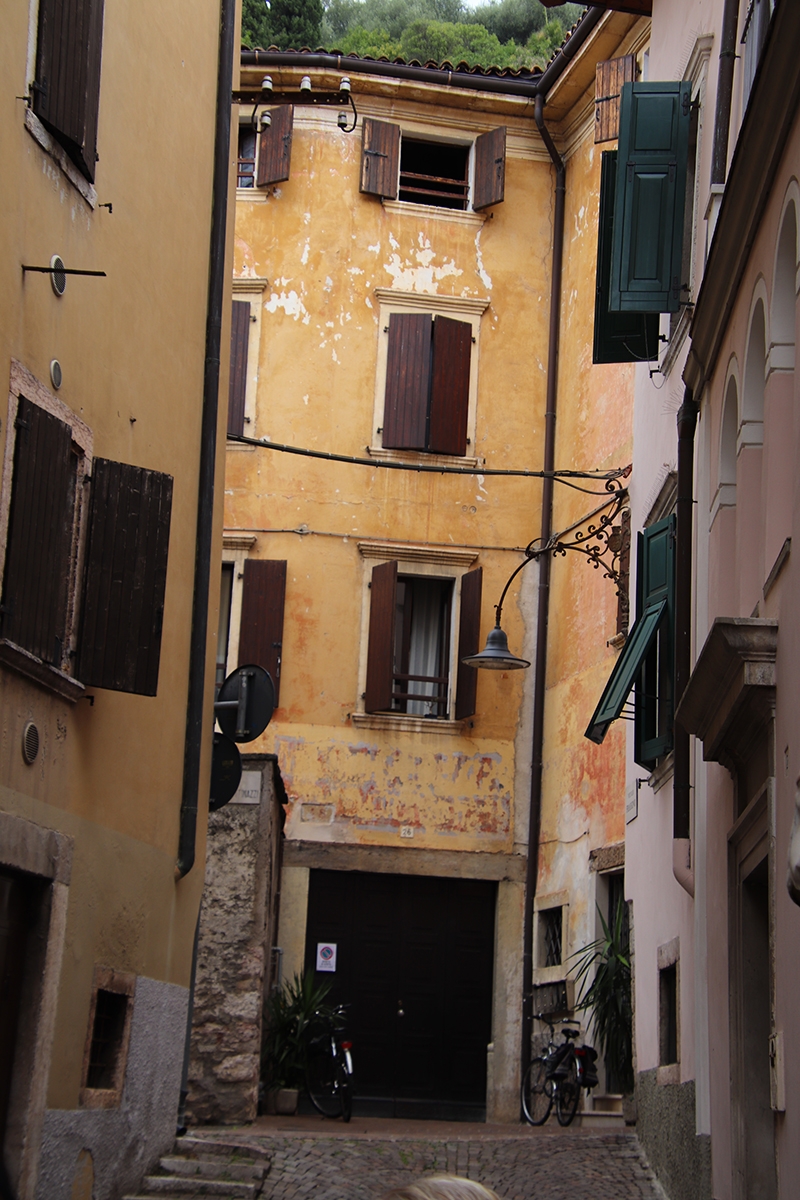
414, 963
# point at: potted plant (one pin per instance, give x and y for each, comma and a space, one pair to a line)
604, 975
288, 1013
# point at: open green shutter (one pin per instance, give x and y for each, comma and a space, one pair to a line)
655, 685
646, 661
650, 197
618, 336
626, 670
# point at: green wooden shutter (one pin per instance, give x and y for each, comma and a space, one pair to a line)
650, 197
618, 336
647, 660
655, 685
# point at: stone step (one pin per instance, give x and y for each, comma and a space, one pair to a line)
192, 1146
180, 1185
214, 1168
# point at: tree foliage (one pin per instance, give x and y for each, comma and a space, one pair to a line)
287, 24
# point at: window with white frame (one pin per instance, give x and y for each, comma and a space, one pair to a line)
426, 387
421, 616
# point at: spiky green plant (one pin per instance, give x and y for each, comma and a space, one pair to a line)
288, 1014
603, 971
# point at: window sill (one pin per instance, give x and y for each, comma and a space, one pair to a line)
677, 339
51, 147
100, 1098
253, 194
25, 663
407, 208
421, 458
663, 772
557, 974
668, 1074
400, 722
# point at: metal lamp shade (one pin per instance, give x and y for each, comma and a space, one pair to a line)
496, 655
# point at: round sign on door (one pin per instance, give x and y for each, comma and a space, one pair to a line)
326, 956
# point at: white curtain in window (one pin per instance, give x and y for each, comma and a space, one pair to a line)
424, 647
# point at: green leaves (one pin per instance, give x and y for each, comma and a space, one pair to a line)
604, 975
289, 1012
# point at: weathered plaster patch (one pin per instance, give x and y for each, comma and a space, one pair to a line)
304, 255
486, 278
291, 303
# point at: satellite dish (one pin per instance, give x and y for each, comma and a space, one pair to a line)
245, 703
226, 772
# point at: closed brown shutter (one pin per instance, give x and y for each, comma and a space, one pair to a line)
452, 350
408, 372
37, 567
609, 78
66, 92
261, 628
240, 334
380, 158
275, 147
125, 578
380, 653
469, 632
490, 168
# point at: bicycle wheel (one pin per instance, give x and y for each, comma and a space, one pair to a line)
537, 1093
345, 1090
322, 1083
567, 1096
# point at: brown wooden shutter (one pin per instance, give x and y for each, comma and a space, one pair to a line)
408, 372
125, 578
490, 168
66, 92
37, 567
380, 158
275, 147
240, 335
261, 628
380, 654
452, 350
469, 632
609, 78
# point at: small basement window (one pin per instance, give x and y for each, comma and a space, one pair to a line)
434, 173
106, 1053
107, 1035
668, 1014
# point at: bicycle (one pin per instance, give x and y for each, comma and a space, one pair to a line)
329, 1067
557, 1076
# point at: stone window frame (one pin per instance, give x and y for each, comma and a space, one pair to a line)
669, 955
555, 974
458, 308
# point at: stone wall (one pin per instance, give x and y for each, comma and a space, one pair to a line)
680, 1157
236, 935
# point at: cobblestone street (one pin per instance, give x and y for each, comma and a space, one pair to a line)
519, 1164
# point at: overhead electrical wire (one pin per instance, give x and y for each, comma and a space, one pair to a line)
565, 477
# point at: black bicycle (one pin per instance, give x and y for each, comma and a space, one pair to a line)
329, 1069
557, 1076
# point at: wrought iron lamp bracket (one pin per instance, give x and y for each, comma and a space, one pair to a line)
598, 535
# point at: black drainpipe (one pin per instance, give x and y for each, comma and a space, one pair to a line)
543, 607
722, 116
195, 706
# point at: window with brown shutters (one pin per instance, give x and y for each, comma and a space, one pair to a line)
427, 171
408, 657
261, 627
609, 78
237, 390
275, 147
37, 568
66, 91
426, 400
125, 579
469, 632
490, 168
380, 157
86, 546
